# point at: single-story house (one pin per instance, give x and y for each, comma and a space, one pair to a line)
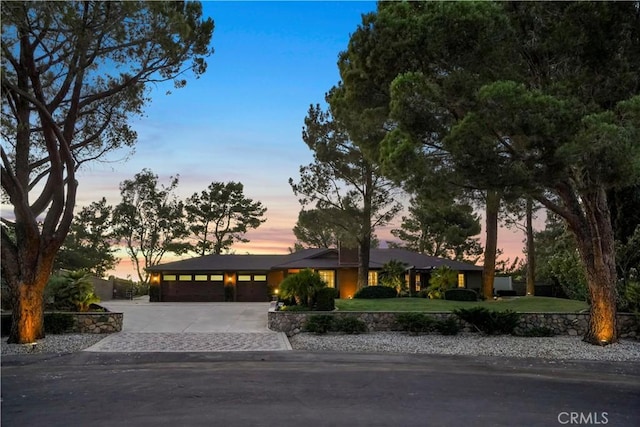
256, 277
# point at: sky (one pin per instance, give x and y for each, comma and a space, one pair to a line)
242, 120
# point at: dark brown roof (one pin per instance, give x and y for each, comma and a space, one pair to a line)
308, 258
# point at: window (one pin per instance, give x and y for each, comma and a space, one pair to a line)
260, 278
329, 277
216, 278
461, 280
373, 278
200, 277
184, 277
169, 277
244, 277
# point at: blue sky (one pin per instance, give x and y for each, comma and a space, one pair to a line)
242, 120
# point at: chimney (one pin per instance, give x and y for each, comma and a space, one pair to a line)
347, 255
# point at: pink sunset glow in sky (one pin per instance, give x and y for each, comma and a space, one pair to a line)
242, 121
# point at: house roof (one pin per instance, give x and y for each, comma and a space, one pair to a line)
317, 258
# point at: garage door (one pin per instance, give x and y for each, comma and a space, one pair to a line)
190, 288
252, 288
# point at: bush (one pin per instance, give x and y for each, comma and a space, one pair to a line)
71, 290
58, 323
302, 287
349, 325
506, 293
415, 323
460, 295
424, 293
295, 308
319, 324
442, 278
373, 292
154, 293
489, 322
326, 299
229, 293
448, 326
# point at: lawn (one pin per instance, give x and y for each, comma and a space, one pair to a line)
518, 304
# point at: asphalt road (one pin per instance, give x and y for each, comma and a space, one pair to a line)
313, 389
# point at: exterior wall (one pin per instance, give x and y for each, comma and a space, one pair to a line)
274, 278
347, 279
473, 280
292, 323
103, 288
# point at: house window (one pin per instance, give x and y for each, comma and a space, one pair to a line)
260, 278
216, 278
461, 280
169, 277
184, 277
244, 277
373, 278
329, 277
200, 277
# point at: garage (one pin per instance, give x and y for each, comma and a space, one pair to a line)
252, 288
192, 288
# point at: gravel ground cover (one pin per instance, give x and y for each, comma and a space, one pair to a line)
561, 347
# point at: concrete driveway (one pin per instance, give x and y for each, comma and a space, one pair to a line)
182, 327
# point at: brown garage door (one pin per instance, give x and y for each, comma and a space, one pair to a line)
252, 288
189, 291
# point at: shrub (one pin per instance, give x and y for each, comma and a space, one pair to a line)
424, 293
443, 278
295, 308
319, 324
415, 323
302, 287
5, 326
229, 293
58, 323
489, 322
372, 292
506, 293
326, 299
71, 290
393, 275
448, 326
154, 293
460, 295
349, 325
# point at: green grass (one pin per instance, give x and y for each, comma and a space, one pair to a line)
518, 304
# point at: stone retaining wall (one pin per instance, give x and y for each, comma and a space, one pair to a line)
97, 322
292, 322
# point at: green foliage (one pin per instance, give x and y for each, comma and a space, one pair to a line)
349, 325
442, 278
302, 286
313, 230
223, 214
423, 293
319, 324
88, 244
58, 323
71, 290
149, 220
295, 308
489, 322
325, 299
449, 326
415, 323
393, 275
460, 295
371, 292
632, 296
440, 226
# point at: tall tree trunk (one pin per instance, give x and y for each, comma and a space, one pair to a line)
531, 254
491, 245
597, 249
364, 254
27, 313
